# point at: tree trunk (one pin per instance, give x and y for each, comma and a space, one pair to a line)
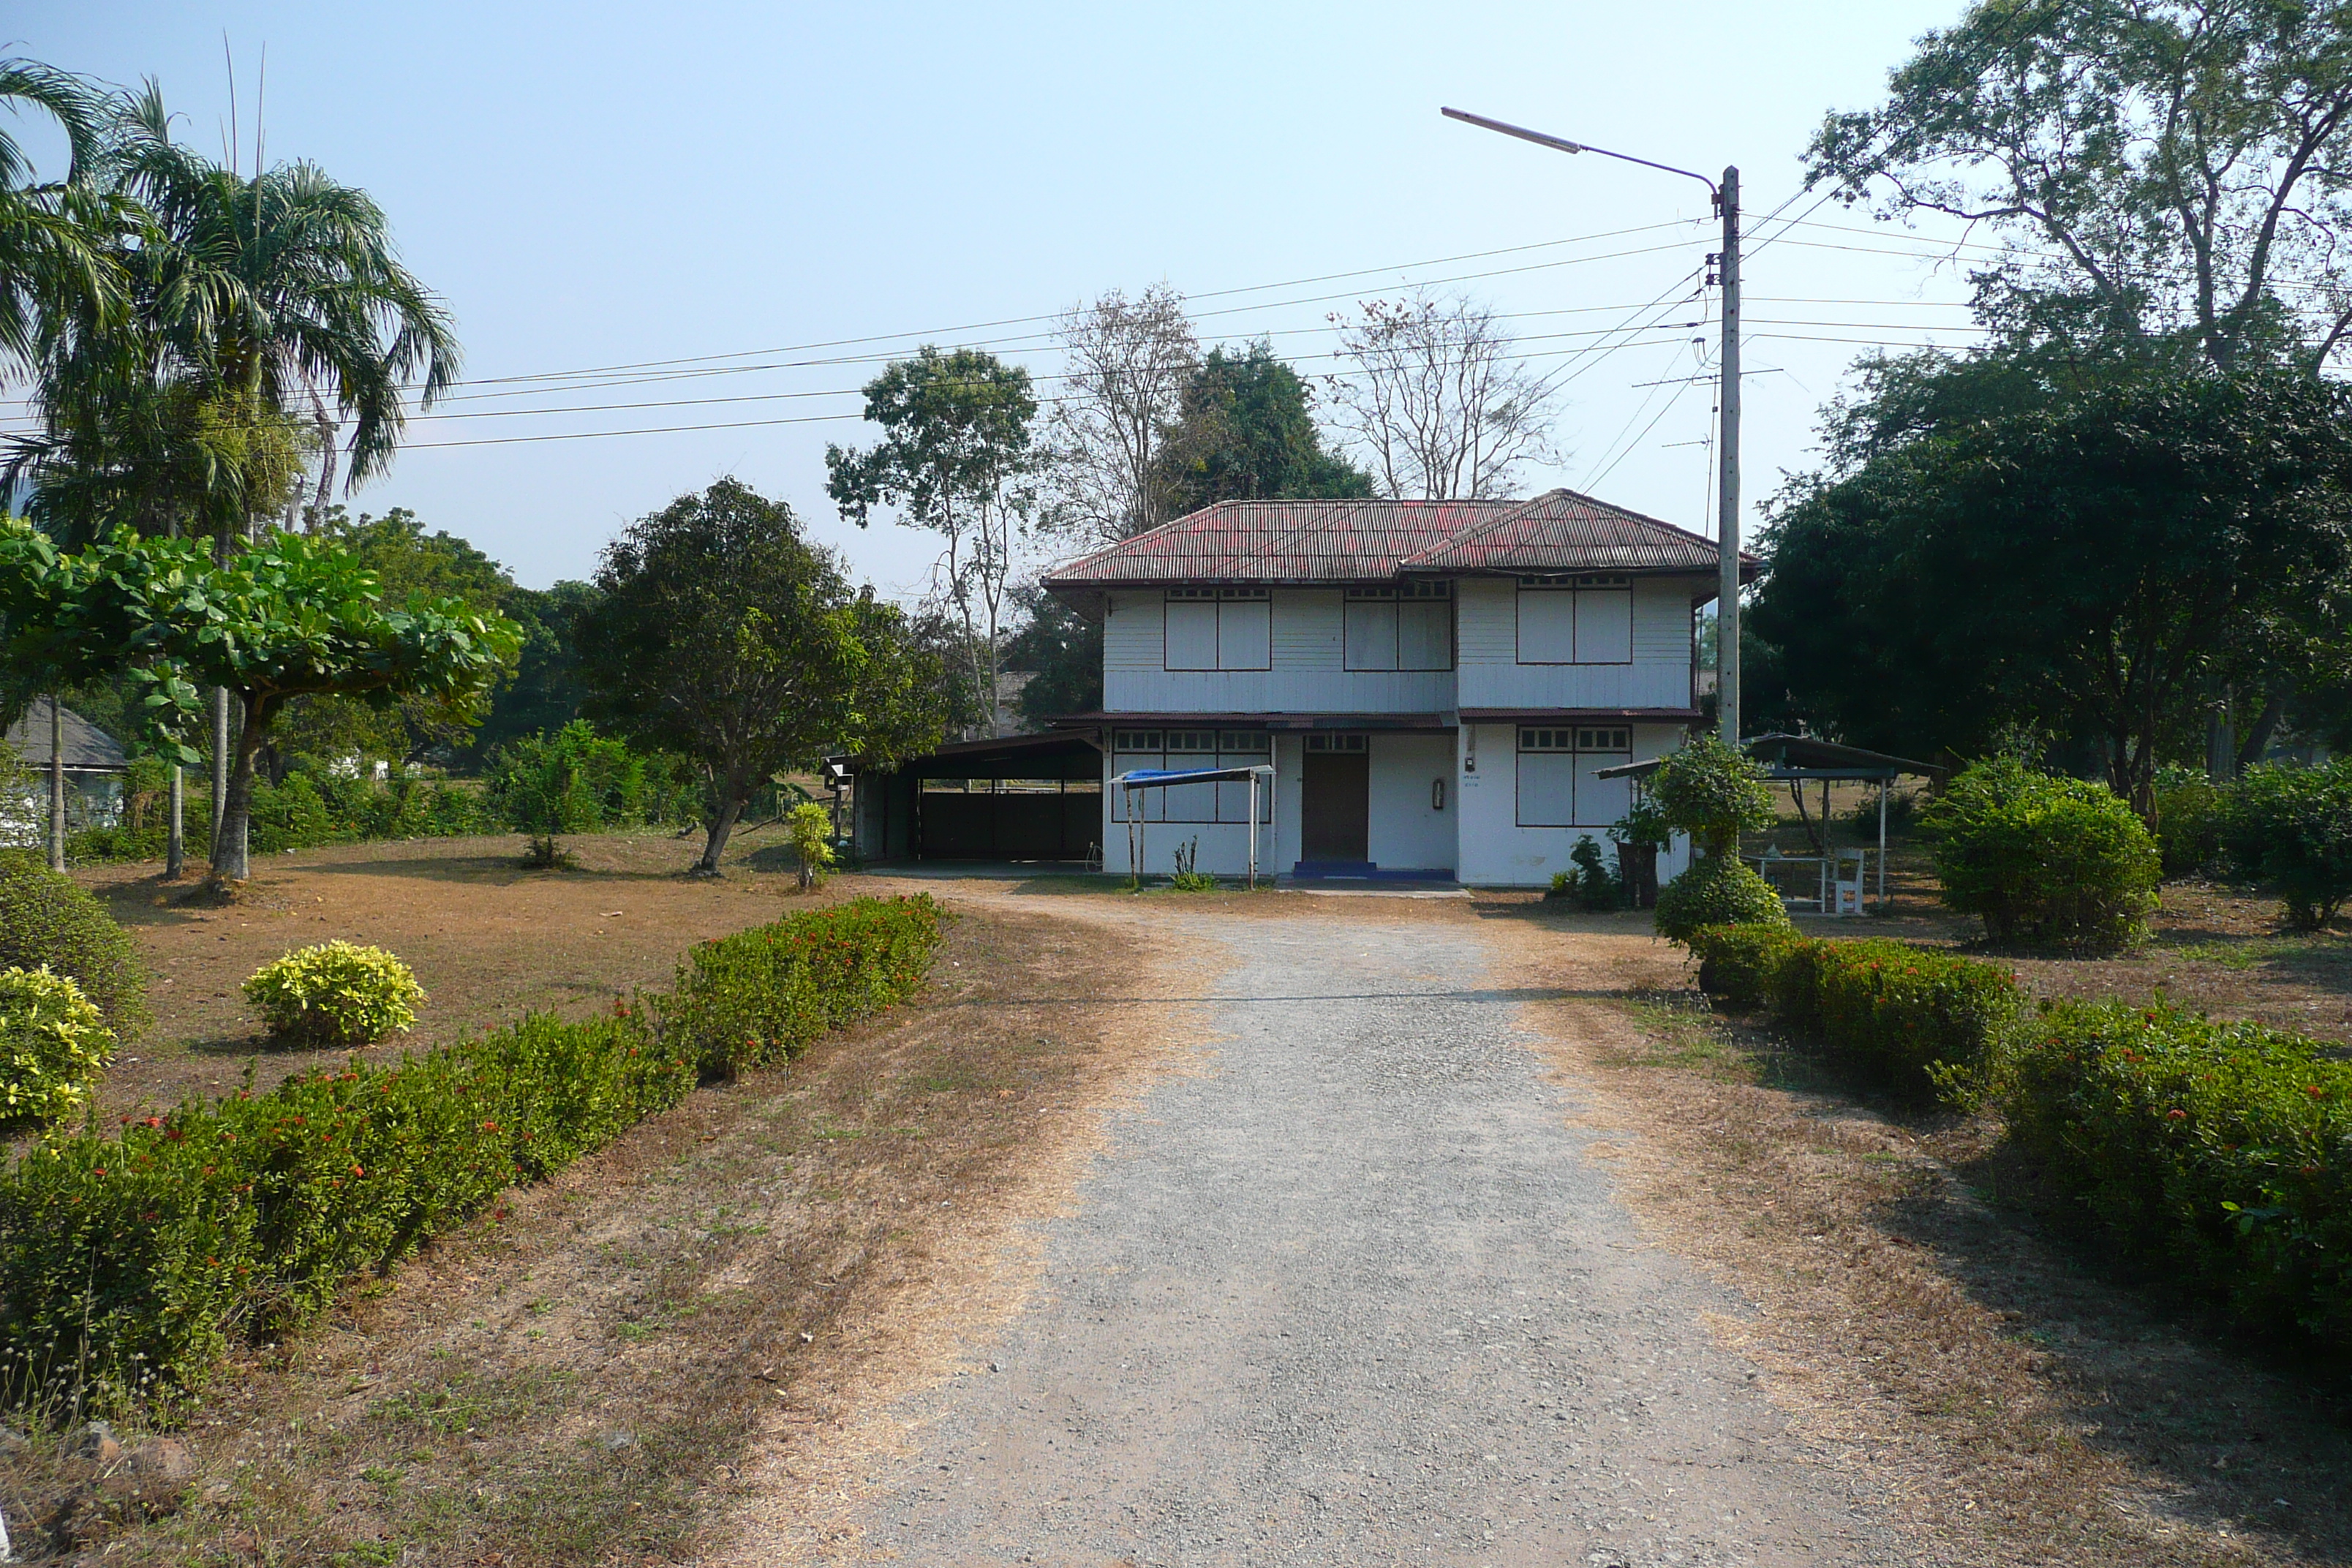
231, 829
2258, 737
220, 757
175, 835
57, 785
730, 811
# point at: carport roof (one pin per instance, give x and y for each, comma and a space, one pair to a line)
1049, 756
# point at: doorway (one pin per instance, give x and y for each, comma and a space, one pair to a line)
1334, 799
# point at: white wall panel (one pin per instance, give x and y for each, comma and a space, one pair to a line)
1132, 632
1407, 833
1604, 626
1244, 635
1547, 618
1191, 634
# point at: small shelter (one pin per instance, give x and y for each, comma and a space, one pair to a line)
1799, 760
1259, 776
94, 767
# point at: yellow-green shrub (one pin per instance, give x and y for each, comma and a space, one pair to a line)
52, 1045
334, 993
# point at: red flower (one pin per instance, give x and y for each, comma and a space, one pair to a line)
2176, 1116
2314, 1090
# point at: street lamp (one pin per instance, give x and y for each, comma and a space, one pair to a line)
1726, 606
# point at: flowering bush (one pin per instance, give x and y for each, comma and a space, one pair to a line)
335, 993
763, 995
129, 1262
53, 1044
2211, 1156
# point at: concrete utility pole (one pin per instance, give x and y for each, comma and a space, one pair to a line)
1727, 605
1726, 601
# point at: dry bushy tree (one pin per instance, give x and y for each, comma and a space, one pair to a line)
1129, 363
1438, 403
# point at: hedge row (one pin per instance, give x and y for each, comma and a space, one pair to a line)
129, 1262
1919, 1023
2215, 1157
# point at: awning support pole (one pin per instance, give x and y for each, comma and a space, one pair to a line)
1884, 784
1253, 831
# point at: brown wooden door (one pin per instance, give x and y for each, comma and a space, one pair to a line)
1335, 801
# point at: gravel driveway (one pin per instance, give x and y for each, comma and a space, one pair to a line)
1355, 1293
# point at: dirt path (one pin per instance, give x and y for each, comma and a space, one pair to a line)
1353, 1293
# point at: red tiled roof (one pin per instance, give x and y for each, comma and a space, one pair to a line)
1373, 540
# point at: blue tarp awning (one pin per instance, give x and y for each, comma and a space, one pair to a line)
1158, 778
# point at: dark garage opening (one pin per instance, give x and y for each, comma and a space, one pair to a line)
1023, 797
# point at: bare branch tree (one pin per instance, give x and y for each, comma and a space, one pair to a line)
1127, 363
1437, 403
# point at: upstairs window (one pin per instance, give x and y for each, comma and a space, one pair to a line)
1219, 628
1409, 625
1576, 619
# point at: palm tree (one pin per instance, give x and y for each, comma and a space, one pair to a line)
59, 239
59, 269
274, 297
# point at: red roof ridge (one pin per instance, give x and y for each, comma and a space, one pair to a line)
1471, 534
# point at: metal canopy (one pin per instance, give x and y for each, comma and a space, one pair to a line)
1162, 778
1800, 757
1253, 775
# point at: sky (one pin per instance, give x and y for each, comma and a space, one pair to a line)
755, 207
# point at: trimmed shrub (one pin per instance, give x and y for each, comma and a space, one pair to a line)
334, 993
2293, 827
1737, 964
2208, 1155
45, 921
763, 995
1712, 792
1921, 1023
52, 1045
2188, 823
1721, 890
130, 1263
2045, 861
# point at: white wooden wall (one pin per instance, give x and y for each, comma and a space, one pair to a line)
1491, 676
1309, 673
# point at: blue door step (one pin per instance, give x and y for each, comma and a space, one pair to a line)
1365, 871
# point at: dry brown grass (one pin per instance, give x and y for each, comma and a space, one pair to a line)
583, 1375
2025, 1409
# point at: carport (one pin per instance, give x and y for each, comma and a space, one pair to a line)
1013, 797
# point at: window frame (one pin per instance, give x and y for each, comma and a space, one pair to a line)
1417, 591
1575, 584
1262, 598
1573, 740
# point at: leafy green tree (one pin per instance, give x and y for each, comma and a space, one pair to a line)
2293, 827
546, 692
1246, 431
404, 560
720, 631
287, 617
1063, 651
2085, 565
2162, 169
956, 459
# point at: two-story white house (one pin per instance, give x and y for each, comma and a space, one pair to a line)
1436, 684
